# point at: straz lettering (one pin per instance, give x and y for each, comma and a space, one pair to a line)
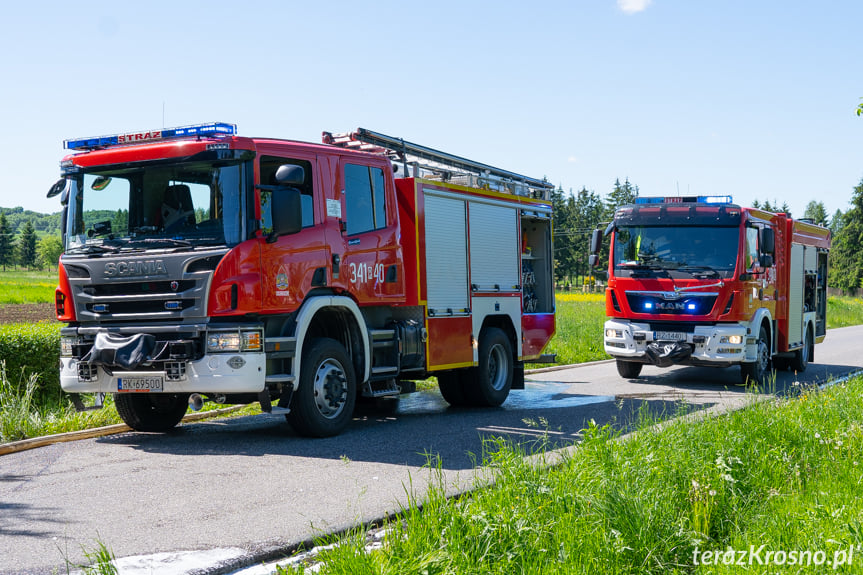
133, 268
139, 137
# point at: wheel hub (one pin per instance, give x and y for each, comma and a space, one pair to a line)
331, 391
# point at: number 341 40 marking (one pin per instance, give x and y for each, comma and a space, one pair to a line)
363, 273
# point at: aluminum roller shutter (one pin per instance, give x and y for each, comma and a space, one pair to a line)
446, 255
494, 247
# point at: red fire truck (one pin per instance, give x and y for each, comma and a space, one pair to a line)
205, 266
701, 281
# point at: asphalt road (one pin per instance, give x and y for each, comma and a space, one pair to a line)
248, 486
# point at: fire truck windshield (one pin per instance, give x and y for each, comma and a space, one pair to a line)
165, 206
677, 252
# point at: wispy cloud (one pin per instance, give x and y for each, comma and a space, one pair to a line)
572, 160
633, 6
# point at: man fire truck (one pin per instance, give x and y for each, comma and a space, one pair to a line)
201, 265
701, 281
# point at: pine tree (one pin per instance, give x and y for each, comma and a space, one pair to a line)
620, 196
816, 212
7, 246
27, 246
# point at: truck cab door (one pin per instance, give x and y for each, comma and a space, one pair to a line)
291, 265
370, 264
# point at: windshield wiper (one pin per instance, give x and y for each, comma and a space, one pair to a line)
163, 241
636, 267
704, 271
91, 249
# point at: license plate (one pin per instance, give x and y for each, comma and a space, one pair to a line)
143, 384
669, 336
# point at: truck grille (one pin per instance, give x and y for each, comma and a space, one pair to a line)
179, 294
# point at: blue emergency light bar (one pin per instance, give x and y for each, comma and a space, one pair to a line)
210, 129
685, 200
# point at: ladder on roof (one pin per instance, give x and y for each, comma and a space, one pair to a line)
434, 164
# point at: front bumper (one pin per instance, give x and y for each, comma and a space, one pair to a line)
719, 345
95, 360
210, 374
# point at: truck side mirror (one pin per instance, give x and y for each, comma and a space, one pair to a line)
290, 175
595, 241
58, 187
593, 260
767, 241
287, 212
765, 261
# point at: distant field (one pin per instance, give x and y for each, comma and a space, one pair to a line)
27, 287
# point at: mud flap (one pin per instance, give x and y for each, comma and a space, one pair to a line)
667, 353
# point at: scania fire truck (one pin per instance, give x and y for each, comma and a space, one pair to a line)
702, 281
200, 265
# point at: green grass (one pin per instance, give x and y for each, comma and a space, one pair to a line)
784, 474
843, 311
27, 287
579, 320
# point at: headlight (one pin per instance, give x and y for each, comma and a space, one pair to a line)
223, 341
732, 339
234, 341
613, 333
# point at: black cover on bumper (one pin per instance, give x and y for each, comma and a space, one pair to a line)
117, 351
667, 353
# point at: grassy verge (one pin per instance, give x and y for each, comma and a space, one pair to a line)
784, 475
844, 311
579, 319
27, 287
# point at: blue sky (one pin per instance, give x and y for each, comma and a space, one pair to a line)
753, 99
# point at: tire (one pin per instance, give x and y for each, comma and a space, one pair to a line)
628, 369
326, 394
451, 387
757, 372
803, 356
781, 363
151, 411
489, 384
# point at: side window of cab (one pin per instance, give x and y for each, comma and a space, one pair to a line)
365, 199
751, 247
268, 167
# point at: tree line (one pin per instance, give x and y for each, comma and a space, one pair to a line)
27, 250
577, 214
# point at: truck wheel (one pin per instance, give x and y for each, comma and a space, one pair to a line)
323, 403
490, 383
451, 387
151, 411
758, 371
800, 361
628, 369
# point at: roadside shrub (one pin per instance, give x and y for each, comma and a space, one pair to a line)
33, 351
